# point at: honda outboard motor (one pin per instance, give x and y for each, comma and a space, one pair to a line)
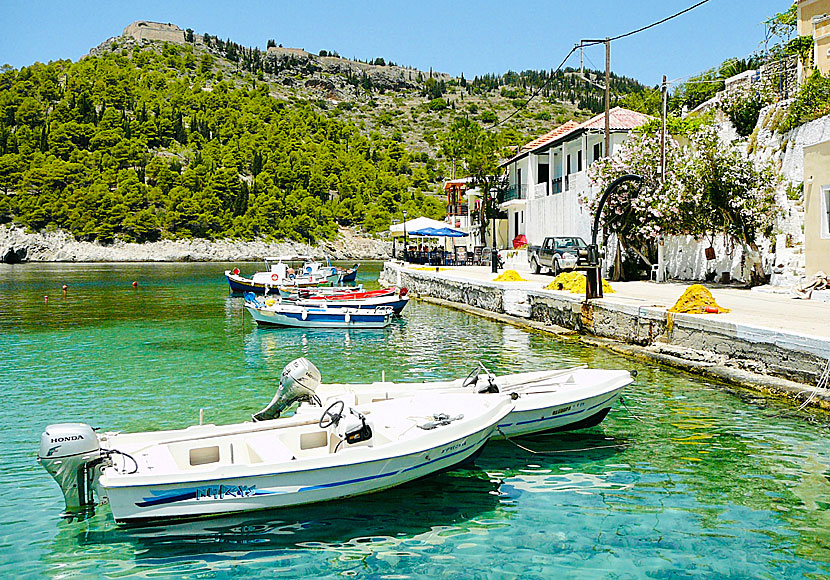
299, 379
70, 452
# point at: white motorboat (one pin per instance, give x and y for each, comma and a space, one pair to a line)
272, 462
273, 312
545, 401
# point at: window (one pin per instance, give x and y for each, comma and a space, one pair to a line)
579, 161
568, 164
597, 151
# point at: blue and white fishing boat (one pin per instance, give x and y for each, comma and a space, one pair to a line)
348, 274
274, 312
321, 453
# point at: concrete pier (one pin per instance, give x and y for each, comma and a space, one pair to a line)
769, 342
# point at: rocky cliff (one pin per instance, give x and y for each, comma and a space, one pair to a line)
18, 246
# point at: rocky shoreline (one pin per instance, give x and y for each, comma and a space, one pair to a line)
16, 245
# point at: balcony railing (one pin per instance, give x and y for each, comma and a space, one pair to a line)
457, 209
515, 192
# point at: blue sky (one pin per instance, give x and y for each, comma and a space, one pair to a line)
454, 37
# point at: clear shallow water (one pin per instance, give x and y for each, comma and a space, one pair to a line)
714, 484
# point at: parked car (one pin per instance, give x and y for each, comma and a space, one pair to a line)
556, 253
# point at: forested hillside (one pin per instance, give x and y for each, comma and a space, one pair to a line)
145, 141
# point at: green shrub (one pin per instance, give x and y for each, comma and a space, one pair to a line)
812, 102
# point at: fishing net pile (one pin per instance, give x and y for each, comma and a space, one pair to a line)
697, 300
509, 276
575, 282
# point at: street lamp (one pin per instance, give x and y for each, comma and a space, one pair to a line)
394, 222
405, 245
593, 262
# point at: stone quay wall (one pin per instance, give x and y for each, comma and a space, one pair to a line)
757, 357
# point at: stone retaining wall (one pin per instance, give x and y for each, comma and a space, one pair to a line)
702, 341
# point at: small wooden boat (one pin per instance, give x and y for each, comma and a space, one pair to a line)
348, 274
394, 297
278, 313
293, 292
316, 455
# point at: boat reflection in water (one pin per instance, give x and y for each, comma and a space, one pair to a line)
427, 511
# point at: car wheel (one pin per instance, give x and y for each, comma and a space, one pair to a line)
534, 265
557, 269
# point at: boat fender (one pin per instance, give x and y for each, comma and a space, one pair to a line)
403, 292
348, 318
304, 314
235, 272
275, 277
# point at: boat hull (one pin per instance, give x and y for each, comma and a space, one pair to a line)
554, 401
286, 488
321, 318
396, 303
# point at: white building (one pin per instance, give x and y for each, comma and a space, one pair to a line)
548, 176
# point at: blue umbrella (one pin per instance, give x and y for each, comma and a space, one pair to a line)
450, 233
427, 232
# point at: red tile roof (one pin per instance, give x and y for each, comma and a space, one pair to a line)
551, 136
619, 118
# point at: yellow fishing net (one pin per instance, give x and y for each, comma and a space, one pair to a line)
695, 300
509, 276
575, 282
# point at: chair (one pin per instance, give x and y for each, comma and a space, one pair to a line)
477, 255
461, 255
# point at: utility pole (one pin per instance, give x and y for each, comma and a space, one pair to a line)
607, 41
661, 242
607, 97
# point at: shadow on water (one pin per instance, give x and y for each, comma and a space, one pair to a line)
457, 500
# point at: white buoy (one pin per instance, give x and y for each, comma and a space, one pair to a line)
201, 416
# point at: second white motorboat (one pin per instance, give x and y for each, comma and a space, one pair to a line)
545, 401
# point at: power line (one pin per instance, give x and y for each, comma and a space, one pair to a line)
582, 45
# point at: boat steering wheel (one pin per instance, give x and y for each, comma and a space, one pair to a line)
330, 416
471, 379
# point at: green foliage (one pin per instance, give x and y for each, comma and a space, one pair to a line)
812, 102
676, 125
698, 89
134, 146
438, 104
743, 107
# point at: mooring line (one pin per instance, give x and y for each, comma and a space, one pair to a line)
560, 451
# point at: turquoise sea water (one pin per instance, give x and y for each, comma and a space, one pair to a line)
714, 483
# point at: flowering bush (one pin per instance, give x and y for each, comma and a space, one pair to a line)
709, 188
744, 104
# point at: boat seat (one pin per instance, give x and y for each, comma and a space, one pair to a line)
268, 449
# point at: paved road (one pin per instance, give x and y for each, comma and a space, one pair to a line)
775, 311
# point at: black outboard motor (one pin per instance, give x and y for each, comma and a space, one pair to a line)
299, 379
70, 452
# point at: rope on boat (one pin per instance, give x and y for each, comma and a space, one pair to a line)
630, 412
560, 451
